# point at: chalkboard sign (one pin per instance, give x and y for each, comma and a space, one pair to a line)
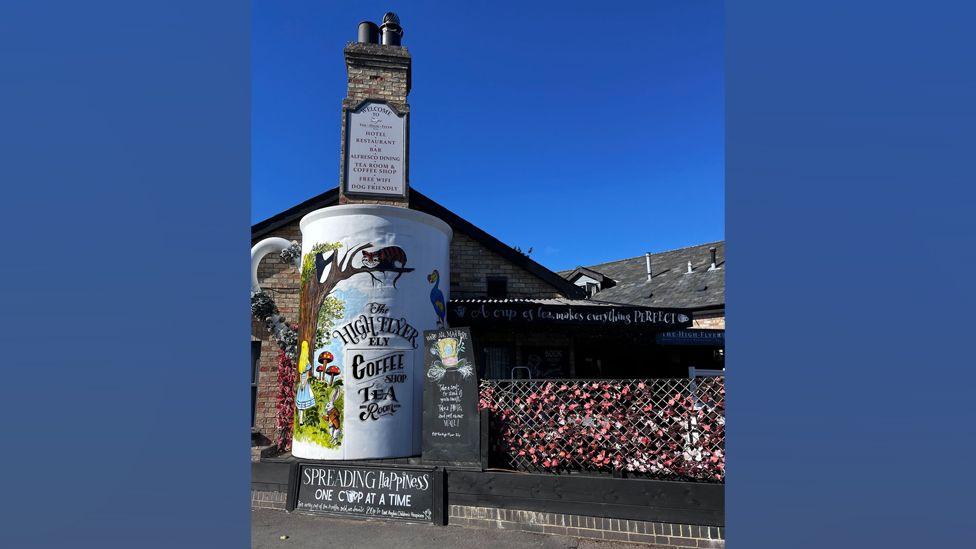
451, 422
366, 492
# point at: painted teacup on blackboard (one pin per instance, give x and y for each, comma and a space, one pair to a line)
450, 358
447, 349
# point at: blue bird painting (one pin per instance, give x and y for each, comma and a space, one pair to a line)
437, 298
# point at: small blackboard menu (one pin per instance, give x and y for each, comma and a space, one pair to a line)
367, 492
451, 423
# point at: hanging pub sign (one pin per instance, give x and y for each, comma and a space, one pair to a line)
706, 338
375, 151
450, 419
475, 312
365, 492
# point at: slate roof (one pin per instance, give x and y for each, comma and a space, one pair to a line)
604, 281
670, 285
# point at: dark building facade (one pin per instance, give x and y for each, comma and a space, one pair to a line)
526, 320
690, 278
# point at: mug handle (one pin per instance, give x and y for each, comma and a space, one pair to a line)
261, 249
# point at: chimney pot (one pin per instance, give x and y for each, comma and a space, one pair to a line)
712, 251
647, 257
369, 33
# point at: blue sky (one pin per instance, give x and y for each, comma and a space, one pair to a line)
589, 131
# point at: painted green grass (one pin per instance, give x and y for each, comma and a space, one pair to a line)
315, 428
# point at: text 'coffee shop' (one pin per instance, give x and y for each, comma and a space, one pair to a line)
377, 311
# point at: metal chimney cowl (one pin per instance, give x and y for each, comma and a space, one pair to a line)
392, 32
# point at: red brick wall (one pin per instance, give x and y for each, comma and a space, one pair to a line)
377, 72
472, 262
281, 282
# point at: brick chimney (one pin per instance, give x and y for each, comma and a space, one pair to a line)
375, 118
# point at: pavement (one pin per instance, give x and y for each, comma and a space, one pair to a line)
311, 531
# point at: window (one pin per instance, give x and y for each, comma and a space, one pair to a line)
498, 361
497, 287
592, 288
255, 362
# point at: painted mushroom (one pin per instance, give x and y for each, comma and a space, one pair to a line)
325, 357
333, 371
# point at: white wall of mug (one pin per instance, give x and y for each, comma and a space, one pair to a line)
382, 275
